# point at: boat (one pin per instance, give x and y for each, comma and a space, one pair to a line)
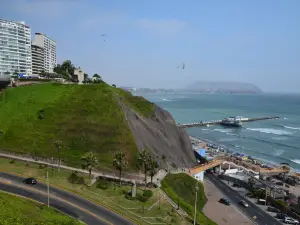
231, 122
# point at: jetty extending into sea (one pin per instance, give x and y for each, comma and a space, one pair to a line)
219, 122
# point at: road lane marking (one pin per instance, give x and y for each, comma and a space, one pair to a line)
60, 199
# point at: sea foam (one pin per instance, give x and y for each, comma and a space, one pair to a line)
270, 131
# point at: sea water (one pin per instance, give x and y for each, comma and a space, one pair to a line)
273, 141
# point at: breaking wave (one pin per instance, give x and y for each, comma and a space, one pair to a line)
271, 131
295, 161
292, 128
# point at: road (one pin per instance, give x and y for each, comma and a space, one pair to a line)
71, 204
263, 218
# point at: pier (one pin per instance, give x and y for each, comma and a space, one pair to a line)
218, 122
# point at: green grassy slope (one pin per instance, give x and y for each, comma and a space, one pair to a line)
16, 210
84, 117
183, 185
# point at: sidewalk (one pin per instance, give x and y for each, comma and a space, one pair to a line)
138, 180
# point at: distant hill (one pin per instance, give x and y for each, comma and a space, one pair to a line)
223, 87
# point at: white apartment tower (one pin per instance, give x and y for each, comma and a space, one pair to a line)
15, 47
49, 47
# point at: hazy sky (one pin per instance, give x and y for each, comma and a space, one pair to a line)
255, 41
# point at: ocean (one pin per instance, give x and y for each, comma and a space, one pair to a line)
272, 141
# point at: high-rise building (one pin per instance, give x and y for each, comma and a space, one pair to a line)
49, 47
15, 47
37, 53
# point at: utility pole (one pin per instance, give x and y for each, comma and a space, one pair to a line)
48, 188
195, 215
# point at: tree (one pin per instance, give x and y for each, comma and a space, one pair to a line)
120, 162
58, 144
251, 183
144, 158
86, 76
113, 85
153, 165
97, 76
90, 161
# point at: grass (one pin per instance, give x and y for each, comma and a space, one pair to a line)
114, 199
16, 210
84, 117
137, 103
183, 186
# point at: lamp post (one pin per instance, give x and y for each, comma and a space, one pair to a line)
195, 215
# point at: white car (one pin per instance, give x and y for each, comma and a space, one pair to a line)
290, 220
243, 203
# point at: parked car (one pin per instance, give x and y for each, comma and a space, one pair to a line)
273, 209
243, 203
30, 180
279, 183
236, 185
224, 201
281, 216
290, 220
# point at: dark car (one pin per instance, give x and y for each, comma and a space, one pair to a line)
30, 180
236, 185
273, 209
224, 201
281, 216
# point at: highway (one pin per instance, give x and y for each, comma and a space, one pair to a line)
71, 204
263, 218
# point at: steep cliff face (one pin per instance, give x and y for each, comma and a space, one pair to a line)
160, 134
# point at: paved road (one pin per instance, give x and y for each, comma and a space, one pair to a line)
263, 218
71, 204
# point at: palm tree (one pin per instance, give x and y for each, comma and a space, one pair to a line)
120, 162
58, 144
153, 165
90, 161
144, 158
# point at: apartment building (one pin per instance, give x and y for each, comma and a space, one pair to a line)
37, 53
15, 47
49, 47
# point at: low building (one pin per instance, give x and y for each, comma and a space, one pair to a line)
80, 75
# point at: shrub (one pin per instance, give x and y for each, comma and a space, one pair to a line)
43, 166
129, 196
147, 193
103, 184
141, 198
12, 161
74, 178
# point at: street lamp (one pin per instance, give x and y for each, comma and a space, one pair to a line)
195, 215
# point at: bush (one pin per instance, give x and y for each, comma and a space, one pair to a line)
43, 166
103, 184
147, 193
129, 196
74, 178
141, 198
12, 161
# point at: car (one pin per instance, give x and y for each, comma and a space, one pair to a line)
224, 201
30, 180
243, 203
273, 209
236, 185
281, 216
279, 183
290, 220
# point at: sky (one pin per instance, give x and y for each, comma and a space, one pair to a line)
256, 41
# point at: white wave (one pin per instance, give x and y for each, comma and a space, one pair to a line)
166, 99
270, 131
280, 138
293, 128
296, 161
278, 152
285, 118
222, 130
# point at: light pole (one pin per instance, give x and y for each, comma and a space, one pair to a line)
195, 215
48, 188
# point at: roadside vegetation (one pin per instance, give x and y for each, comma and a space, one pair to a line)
181, 189
82, 118
149, 205
16, 210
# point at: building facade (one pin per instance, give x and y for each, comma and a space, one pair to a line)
37, 53
15, 48
49, 47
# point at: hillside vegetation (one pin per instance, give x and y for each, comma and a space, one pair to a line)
84, 117
183, 186
18, 211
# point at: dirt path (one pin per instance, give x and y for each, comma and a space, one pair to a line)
220, 213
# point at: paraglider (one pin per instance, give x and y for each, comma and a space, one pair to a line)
103, 35
182, 66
